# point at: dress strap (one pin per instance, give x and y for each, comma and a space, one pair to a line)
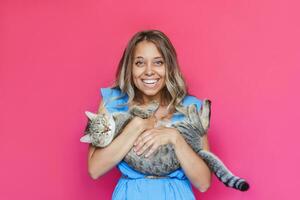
114, 100
189, 99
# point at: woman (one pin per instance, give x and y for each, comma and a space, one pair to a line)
149, 71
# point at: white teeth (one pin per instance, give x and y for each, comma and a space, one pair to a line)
150, 81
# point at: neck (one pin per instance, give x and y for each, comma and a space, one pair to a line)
144, 99
147, 99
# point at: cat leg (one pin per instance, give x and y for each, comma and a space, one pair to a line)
190, 133
121, 120
144, 112
205, 113
194, 119
222, 172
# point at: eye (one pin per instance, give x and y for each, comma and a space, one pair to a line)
138, 63
159, 62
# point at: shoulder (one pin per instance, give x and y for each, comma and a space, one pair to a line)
190, 99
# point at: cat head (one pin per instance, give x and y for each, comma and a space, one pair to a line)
98, 127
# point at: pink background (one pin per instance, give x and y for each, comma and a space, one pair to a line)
55, 56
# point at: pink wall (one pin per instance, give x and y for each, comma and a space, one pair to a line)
55, 55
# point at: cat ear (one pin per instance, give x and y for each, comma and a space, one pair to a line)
90, 115
86, 139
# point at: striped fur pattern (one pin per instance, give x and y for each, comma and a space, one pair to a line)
164, 160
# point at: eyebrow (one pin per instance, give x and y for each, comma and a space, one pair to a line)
142, 57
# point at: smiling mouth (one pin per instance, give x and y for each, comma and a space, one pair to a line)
150, 82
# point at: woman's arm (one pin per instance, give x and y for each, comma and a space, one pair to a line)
101, 160
194, 167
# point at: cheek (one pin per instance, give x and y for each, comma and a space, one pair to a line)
135, 72
163, 76
162, 73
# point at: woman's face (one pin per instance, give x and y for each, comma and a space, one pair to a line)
148, 70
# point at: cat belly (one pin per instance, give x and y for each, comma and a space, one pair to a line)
161, 163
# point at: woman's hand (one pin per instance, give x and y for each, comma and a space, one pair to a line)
153, 138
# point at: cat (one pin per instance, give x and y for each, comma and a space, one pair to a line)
101, 129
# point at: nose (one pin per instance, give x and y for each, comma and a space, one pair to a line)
149, 70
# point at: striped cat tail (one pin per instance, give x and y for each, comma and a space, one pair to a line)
221, 171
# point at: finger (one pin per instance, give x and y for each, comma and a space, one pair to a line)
143, 141
145, 146
136, 141
152, 149
141, 137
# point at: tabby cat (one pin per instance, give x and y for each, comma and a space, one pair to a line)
101, 129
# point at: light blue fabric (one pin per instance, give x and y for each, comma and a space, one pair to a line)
135, 186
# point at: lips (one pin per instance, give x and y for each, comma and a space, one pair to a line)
149, 81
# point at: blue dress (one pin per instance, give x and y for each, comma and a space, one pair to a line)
133, 185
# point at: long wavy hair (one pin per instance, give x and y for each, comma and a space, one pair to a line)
175, 87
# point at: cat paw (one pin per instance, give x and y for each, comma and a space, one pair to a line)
205, 114
144, 112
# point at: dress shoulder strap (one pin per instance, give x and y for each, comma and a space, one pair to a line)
114, 100
189, 99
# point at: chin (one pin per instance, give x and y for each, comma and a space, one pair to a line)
148, 91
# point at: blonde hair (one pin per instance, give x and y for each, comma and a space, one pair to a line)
175, 86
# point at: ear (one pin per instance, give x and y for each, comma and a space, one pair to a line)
86, 139
90, 115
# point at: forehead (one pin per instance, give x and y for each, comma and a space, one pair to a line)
146, 49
